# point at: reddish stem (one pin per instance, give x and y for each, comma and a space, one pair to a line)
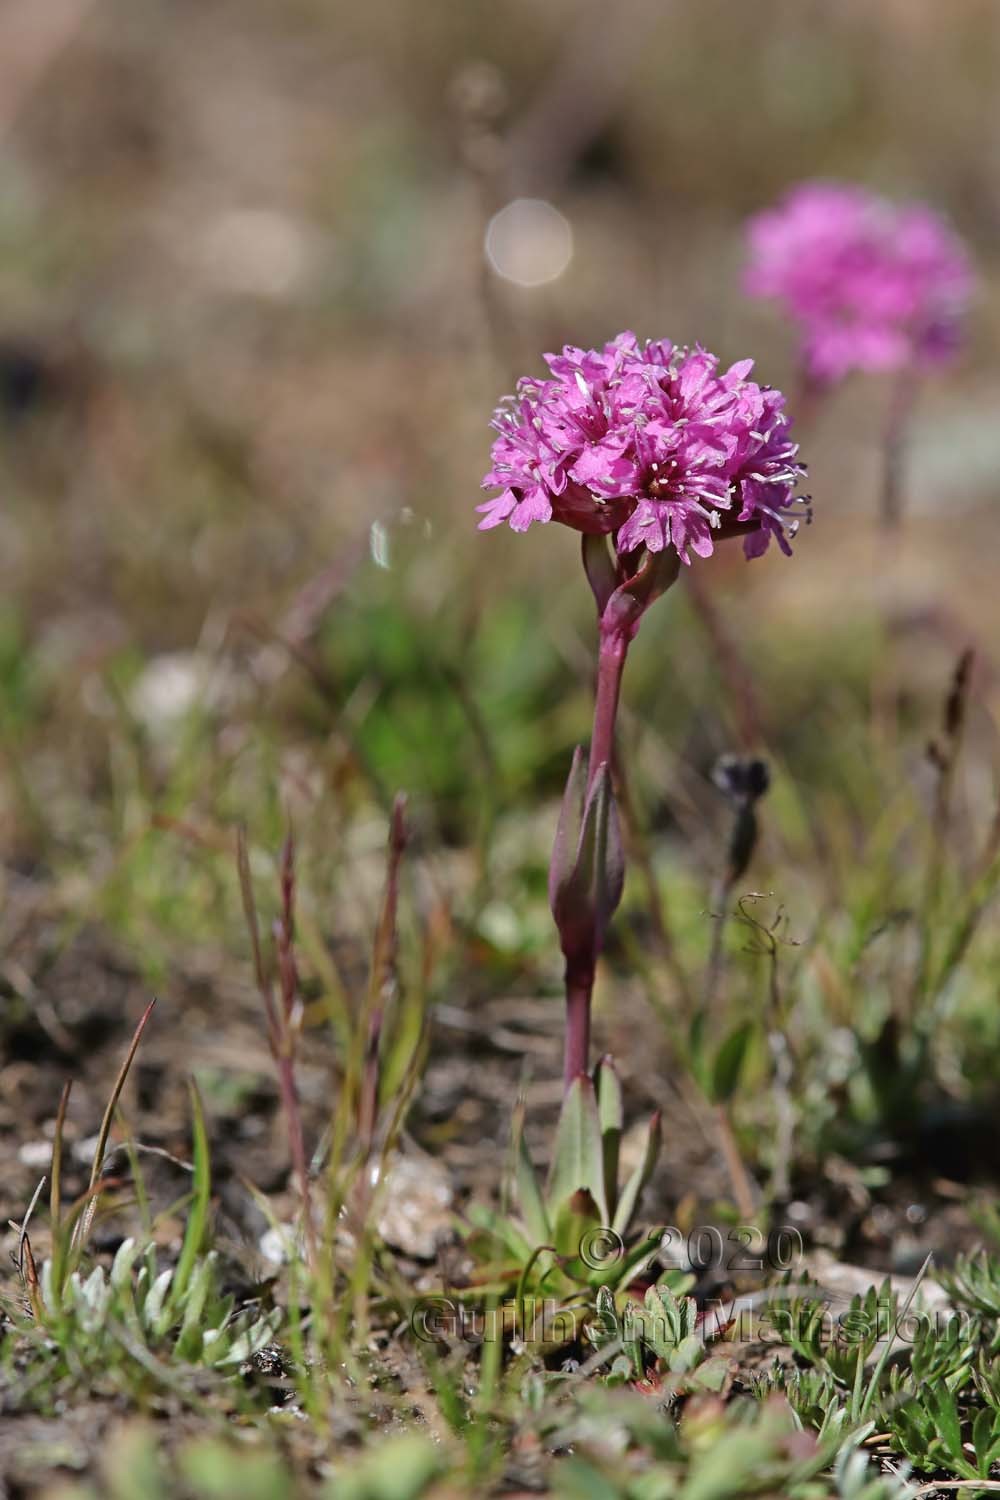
580, 967
610, 665
579, 989
383, 978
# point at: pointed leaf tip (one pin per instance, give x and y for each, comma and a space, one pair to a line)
568, 829
607, 861
585, 899
628, 1202
529, 1192
577, 1161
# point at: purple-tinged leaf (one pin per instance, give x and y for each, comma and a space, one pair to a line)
602, 575
577, 1160
567, 840
584, 902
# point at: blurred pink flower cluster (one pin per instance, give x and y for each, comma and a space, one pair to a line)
871, 285
648, 442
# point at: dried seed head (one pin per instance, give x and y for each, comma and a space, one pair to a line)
958, 694
743, 779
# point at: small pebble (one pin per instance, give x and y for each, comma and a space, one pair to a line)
35, 1153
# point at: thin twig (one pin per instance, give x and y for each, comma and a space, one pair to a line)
253, 927
383, 977
958, 1484
943, 753
739, 1178
87, 1217
25, 1260
283, 1023
22, 1228
55, 1197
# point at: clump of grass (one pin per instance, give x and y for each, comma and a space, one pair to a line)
134, 1326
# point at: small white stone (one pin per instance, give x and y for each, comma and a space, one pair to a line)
276, 1243
35, 1153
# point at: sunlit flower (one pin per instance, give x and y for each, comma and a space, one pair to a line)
871, 285
650, 443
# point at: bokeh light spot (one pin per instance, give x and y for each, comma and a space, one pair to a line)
529, 242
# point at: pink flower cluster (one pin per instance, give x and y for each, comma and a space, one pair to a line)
650, 443
872, 285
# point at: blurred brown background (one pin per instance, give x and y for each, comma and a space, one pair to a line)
244, 306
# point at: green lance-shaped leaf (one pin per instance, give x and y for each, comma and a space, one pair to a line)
577, 1160
197, 1292
947, 1421
575, 1219
529, 1192
632, 1339
606, 1327
668, 1324
629, 1199
620, 1270
196, 1233
986, 1439
689, 1353
611, 1115
729, 1062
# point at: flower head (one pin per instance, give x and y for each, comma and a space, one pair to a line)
650, 443
872, 285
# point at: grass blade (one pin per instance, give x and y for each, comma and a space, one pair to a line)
87, 1218
195, 1234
